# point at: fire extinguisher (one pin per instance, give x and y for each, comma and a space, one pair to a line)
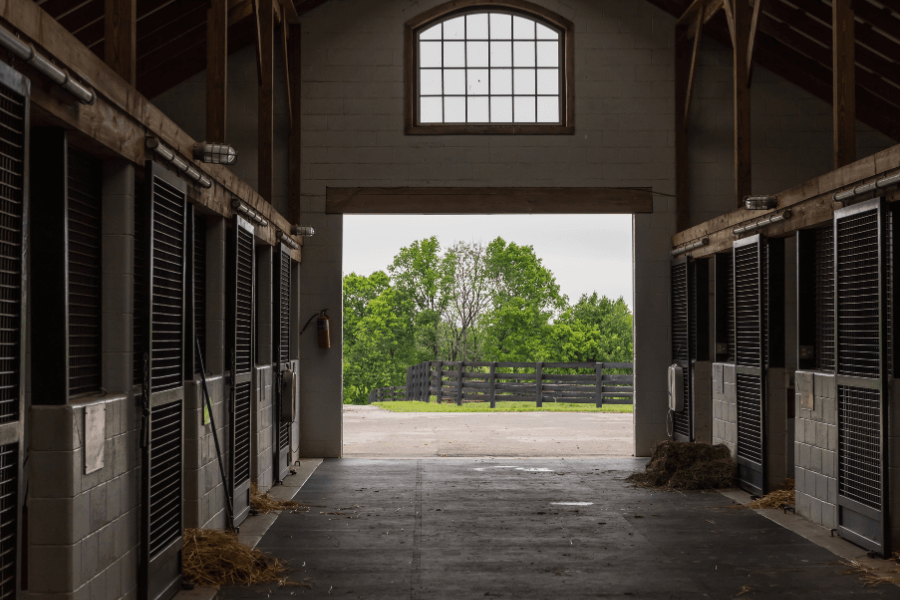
322, 326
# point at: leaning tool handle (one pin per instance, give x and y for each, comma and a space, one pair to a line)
212, 422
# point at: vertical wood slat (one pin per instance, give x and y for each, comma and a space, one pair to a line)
742, 165
493, 381
266, 123
216, 70
120, 30
538, 382
459, 384
598, 371
294, 212
440, 381
844, 88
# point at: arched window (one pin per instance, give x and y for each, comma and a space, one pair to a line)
489, 67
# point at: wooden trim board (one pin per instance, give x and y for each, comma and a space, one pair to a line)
487, 200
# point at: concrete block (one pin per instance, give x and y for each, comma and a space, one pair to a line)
825, 385
802, 455
730, 392
815, 511
802, 504
829, 410
832, 437
57, 571
799, 479
828, 463
64, 521
729, 373
829, 516
821, 435
815, 455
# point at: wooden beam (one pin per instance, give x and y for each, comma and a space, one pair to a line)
304, 6
698, 34
287, 71
295, 211
742, 164
844, 103
729, 16
703, 9
259, 65
217, 71
266, 123
120, 49
682, 162
754, 27
487, 200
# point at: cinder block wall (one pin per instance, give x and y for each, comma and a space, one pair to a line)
204, 492
261, 428
724, 403
816, 445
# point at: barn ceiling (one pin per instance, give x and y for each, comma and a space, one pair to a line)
794, 40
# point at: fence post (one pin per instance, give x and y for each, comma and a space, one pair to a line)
598, 370
440, 381
459, 384
422, 382
539, 387
493, 382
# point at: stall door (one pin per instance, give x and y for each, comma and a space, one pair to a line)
860, 235
242, 261
163, 211
682, 424
281, 450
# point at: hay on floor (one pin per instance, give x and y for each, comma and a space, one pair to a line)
778, 498
213, 558
687, 466
264, 503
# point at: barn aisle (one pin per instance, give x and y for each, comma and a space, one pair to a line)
512, 528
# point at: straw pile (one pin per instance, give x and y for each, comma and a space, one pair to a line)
213, 558
778, 498
264, 503
687, 466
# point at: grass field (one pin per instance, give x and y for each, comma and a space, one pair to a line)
414, 406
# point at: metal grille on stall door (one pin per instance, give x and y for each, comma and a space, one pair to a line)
242, 432
200, 284
764, 286
749, 417
244, 314
12, 170
284, 308
679, 312
747, 301
9, 502
692, 318
858, 326
824, 277
167, 301
888, 291
729, 311
85, 191
859, 454
165, 475
141, 267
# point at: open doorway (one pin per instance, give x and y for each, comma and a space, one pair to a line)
514, 300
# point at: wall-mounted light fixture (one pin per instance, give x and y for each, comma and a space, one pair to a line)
179, 163
240, 206
303, 231
862, 190
692, 246
60, 77
290, 243
760, 202
763, 223
217, 154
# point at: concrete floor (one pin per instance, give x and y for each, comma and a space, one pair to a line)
373, 432
465, 528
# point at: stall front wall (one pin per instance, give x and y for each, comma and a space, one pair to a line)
816, 447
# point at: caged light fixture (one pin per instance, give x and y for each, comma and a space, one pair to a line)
760, 202
179, 163
303, 231
217, 154
239, 206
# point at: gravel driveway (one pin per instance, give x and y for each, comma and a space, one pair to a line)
370, 431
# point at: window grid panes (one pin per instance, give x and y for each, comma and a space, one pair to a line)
490, 67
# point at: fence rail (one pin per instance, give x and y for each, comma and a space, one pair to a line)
519, 381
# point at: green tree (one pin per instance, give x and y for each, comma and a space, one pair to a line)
595, 329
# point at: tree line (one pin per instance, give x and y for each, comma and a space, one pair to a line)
471, 302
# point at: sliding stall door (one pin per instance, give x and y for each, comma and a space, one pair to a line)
281, 451
682, 424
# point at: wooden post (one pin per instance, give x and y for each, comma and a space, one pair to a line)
295, 211
459, 384
120, 45
742, 171
216, 70
844, 88
539, 387
493, 381
440, 381
682, 163
266, 123
598, 370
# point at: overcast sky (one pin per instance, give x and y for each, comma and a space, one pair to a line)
586, 253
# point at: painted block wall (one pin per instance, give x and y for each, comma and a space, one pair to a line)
724, 394
204, 492
816, 443
261, 428
352, 129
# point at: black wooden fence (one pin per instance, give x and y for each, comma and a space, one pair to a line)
603, 383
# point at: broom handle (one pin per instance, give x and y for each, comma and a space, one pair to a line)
212, 421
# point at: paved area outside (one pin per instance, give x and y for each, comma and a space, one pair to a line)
373, 432
479, 528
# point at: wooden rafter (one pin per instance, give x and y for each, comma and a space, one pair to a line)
698, 34
266, 104
844, 84
703, 9
742, 161
754, 27
295, 146
285, 34
121, 44
217, 71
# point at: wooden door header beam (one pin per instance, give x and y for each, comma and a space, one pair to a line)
487, 201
